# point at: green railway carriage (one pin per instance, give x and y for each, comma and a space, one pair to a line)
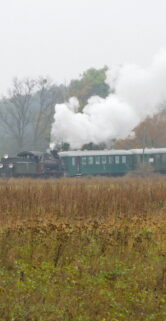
112, 162
105, 162
156, 157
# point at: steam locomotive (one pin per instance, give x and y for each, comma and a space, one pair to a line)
32, 164
80, 163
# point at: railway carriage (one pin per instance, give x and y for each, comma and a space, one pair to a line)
156, 157
112, 162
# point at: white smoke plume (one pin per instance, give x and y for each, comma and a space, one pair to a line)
138, 93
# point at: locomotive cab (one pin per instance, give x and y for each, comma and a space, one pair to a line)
29, 164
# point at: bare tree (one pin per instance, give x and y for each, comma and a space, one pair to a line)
15, 114
42, 116
46, 96
26, 114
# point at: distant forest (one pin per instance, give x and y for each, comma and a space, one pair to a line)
26, 113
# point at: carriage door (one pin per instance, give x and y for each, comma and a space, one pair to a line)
78, 164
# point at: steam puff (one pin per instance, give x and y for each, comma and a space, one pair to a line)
138, 94
73, 104
100, 121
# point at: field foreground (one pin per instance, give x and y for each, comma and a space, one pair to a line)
83, 249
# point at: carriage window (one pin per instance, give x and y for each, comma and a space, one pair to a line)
97, 159
104, 160
151, 160
90, 160
138, 158
110, 159
117, 159
73, 161
123, 159
164, 157
157, 158
83, 160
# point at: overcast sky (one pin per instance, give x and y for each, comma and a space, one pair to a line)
62, 38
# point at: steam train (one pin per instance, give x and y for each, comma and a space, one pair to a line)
80, 163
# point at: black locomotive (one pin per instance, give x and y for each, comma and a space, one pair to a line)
33, 164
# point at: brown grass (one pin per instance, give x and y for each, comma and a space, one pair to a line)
101, 234
27, 200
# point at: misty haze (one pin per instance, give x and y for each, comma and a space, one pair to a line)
83, 160
109, 56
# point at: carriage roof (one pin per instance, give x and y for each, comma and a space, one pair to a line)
112, 152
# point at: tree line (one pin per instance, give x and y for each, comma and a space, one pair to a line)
26, 113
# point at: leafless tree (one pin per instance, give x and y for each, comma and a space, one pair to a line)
26, 114
15, 114
42, 116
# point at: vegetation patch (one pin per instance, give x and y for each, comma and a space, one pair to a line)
83, 249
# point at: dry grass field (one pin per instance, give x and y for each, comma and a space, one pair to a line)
90, 249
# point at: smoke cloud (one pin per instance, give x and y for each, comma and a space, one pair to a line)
138, 93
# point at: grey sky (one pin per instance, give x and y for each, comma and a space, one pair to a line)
62, 38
